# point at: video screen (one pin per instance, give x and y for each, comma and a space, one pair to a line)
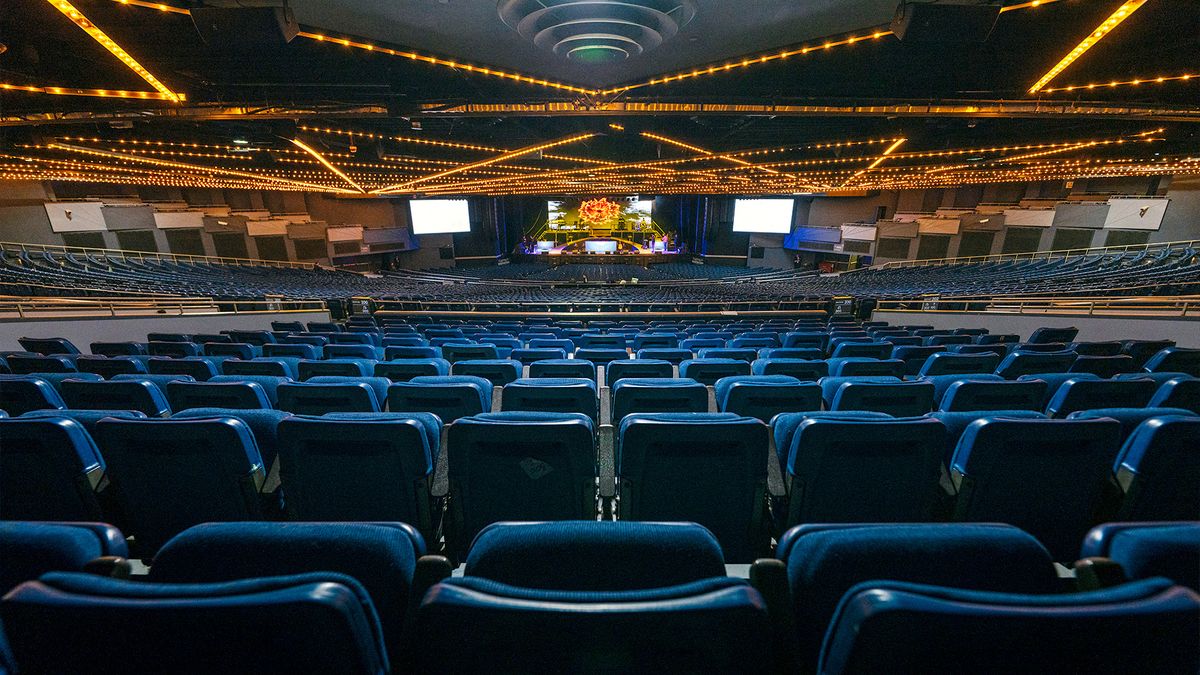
439, 216
771, 216
614, 213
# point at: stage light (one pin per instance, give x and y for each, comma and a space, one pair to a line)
1115, 19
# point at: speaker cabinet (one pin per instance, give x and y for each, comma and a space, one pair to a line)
959, 21
245, 28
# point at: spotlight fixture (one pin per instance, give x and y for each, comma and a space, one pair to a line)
597, 31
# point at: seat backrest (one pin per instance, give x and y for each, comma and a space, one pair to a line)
1044, 476
175, 350
874, 350
1104, 366
370, 467
21, 393
320, 622
31, 549
300, 351
707, 370
1129, 418
108, 366
198, 367
764, 396
336, 367
802, 369
855, 366
956, 422
142, 395
746, 354
24, 364
118, 348
1179, 392
1158, 468
461, 351
971, 394
449, 397
642, 395
402, 370
1176, 359
48, 346
254, 337
49, 470
317, 398
342, 351
1047, 334
278, 366
708, 468
1021, 363
563, 368
549, 394
528, 356
671, 355
899, 399
241, 350
947, 363
520, 466
238, 395
640, 367
497, 371
1144, 626
1145, 550
1086, 394
171, 474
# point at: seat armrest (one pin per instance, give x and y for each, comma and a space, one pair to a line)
111, 566
1095, 573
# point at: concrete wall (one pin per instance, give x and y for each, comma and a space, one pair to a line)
1186, 332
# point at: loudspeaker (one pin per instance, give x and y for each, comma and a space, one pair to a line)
948, 21
446, 252
757, 252
245, 28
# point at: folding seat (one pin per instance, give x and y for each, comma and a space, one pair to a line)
360, 467
914, 356
1052, 382
173, 350
413, 340
31, 549
1021, 363
222, 338
971, 394
318, 341
288, 326
21, 364
801, 353
168, 337
142, 395
1039, 347
723, 336
233, 394
344, 394
198, 367
996, 339
106, 367
528, 356
1074, 395
49, 470
1048, 334
1130, 418
695, 344
816, 340
542, 343
830, 385
1096, 348
563, 368
118, 348
946, 340
549, 394
755, 343
824, 561
973, 332
402, 370
1147, 550
87, 418
298, 351
997, 349
858, 366
864, 470
240, 350
263, 424
583, 595
708, 468
598, 341
932, 332
1180, 392
947, 363
801, 369
1142, 350
352, 352
275, 366
1044, 476
336, 367
600, 357
1104, 366
1147, 626
254, 337
764, 396
784, 425
397, 353
899, 399
48, 346
906, 341
371, 339
380, 556
56, 379
444, 333
639, 367
656, 340
520, 466
956, 423
497, 371
504, 345
873, 350
168, 475
746, 354
1158, 469
708, 370
319, 622
1171, 359
449, 397
657, 395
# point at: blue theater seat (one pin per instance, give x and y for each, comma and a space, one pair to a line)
1074, 395
173, 350
168, 337
48, 346
198, 367
899, 399
1172, 359
287, 326
708, 468
956, 422
106, 367
1146, 626
971, 393
655, 395
671, 355
552, 394
947, 363
649, 591
263, 424
394, 353
1142, 350
297, 351
380, 556
142, 395
403, 370
1021, 363
528, 356
816, 340
707, 370
1146, 550
21, 364
830, 385
754, 342
520, 466
826, 560
655, 340
319, 622
342, 351
360, 467
1104, 366
567, 346
318, 341
563, 368
336, 367
326, 394
449, 397
240, 350
50, 469
872, 350
1052, 382
996, 339
118, 348
746, 354
497, 371
947, 340
1181, 392
462, 351
276, 366
254, 337
600, 356
859, 366
765, 396
411, 340
230, 394
31, 549
864, 470
1158, 470
695, 344
168, 475
801, 369
640, 367
87, 418
56, 379
1050, 334
1129, 418
800, 353
599, 341
784, 425
1044, 476
323, 327
914, 356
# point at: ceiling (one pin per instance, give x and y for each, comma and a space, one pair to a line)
436, 96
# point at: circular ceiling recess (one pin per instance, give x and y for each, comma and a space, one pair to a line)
597, 31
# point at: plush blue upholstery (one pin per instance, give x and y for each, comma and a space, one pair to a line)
528, 356
294, 350
765, 396
1104, 366
87, 418
56, 379
108, 366
1181, 392
1053, 381
403, 370
707, 370
276, 366
1158, 469
139, 394
241, 350
651, 395
263, 424
336, 367
831, 385
21, 364
915, 356
783, 425
49, 470
449, 397
1074, 395
198, 367
112, 349
640, 367
31, 549
1144, 550
746, 354
233, 394
947, 363
48, 346
463, 351
1021, 363
801, 369
1175, 359
600, 356
956, 422
563, 368
899, 399
497, 371
550, 394
972, 394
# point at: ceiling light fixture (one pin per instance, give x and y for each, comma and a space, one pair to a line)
597, 31
1115, 19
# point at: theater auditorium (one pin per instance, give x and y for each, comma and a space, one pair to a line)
599, 336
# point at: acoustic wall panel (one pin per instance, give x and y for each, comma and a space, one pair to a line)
1087, 215
858, 232
1136, 213
177, 220
896, 229
75, 216
349, 233
938, 225
266, 228
1029, 217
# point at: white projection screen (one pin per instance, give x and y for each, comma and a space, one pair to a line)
439, 216
772, 216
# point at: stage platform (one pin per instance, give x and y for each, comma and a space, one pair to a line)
642, 259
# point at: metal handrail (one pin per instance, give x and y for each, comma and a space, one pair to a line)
142, 256
1175, 305
1036, 255
27, 307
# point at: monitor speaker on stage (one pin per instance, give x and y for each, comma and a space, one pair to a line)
946, 21
245, 28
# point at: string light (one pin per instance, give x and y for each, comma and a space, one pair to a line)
102, 93
1115, 19
326, 163
115, 49
1123, 83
